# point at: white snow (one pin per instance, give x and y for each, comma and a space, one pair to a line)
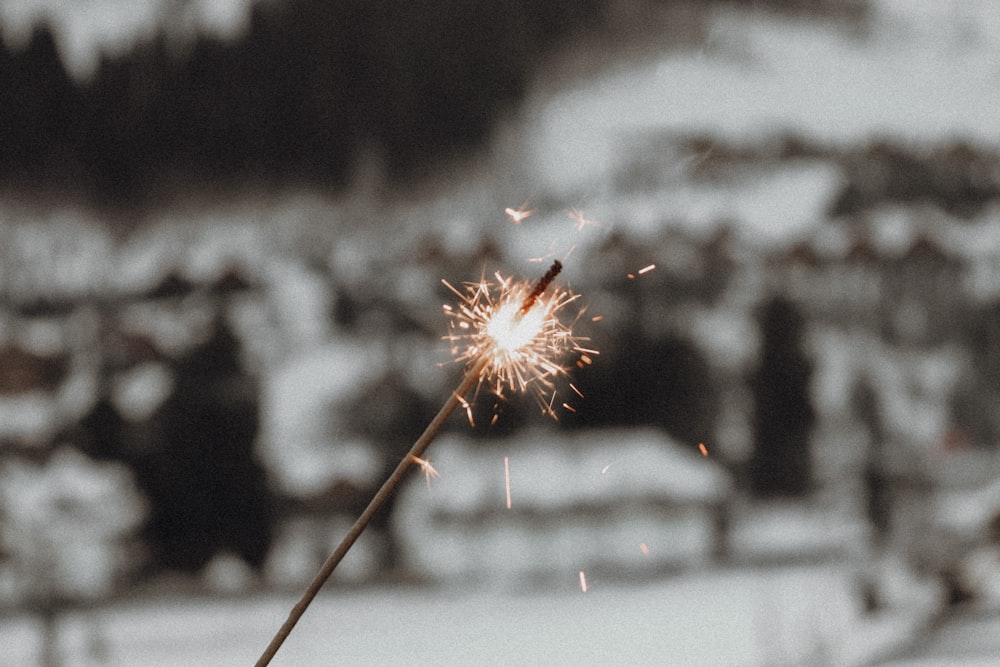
87, 29
722, 618
760, 76
300, 401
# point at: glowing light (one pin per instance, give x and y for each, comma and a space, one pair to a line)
425, 465
605, 469
644, 549
703, 449
583, 582
506, 478
576, 215
644, 270
521, 330
516, 215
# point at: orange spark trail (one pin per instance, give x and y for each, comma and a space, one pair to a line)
516, 215
506, 478
576, 215
703, 449
425, 465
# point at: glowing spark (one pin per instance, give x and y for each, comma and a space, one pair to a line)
576, 215
583, 582
644, 270
644, 549
425, 465
597, 318
703, 449
518, 329
605, 469
468, 409
575, 390
506, 478
516, 215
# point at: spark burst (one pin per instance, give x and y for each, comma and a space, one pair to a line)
520, 329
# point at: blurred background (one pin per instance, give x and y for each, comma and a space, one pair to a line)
223, 230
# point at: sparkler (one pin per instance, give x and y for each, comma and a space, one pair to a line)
510, 336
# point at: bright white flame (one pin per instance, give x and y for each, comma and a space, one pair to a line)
511, 331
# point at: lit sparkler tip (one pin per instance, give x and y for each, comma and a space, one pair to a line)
515, 332
543, 284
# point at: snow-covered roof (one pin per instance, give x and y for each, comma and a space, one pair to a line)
551, 471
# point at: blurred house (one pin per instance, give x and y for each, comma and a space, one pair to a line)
614, 503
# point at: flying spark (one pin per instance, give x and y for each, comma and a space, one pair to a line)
703, 449
576, 215
644, 549
425, 465
516, 215
583, 582
506, 478
521, 331
644, 270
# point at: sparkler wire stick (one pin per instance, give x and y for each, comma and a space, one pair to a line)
469, 381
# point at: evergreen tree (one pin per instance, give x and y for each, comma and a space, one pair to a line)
781, 462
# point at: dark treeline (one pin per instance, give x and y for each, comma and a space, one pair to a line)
292, 101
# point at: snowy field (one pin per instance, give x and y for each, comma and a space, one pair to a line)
801, 615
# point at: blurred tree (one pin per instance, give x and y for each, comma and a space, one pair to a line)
206, 488
40, 110
391, 415
294, 100
866, 405
781, 462
663, 382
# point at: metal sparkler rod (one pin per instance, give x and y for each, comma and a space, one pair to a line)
471, 379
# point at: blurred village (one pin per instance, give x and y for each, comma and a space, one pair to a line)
202, 404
